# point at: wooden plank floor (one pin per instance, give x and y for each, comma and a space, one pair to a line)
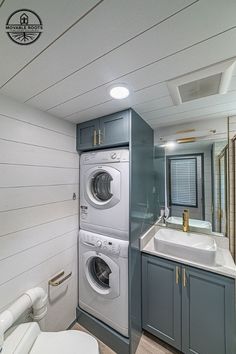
148, 345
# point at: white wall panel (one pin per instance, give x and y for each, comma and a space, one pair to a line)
20, 219
23, 197
16, 130
33, 277
35, 117
24, 154
16, 175
25, 239
57, 318
21, 262
38, 216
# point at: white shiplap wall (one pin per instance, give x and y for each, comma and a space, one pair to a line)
39, 172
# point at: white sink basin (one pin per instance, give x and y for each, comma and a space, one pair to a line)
193, 247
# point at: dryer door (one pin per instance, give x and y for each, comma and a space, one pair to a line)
102, 187
102, 274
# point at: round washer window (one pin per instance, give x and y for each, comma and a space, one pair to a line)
100, 272
101, 186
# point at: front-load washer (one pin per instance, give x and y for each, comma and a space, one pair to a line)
104, 192
103, 279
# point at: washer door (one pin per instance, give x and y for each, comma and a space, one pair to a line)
102, 274
102, 187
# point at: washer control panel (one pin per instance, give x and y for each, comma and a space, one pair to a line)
103, 244
98, 243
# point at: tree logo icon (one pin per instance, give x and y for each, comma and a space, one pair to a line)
24, 27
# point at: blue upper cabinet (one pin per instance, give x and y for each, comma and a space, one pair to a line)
111, 130
115, 128
87, 135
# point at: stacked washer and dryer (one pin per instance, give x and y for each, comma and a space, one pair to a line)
104, 236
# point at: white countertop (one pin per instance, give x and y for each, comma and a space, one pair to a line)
224, 261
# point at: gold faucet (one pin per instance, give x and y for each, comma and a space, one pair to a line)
186, 220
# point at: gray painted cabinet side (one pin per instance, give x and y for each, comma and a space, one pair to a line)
161, 297
141, 215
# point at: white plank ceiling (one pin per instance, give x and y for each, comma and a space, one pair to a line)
88, 45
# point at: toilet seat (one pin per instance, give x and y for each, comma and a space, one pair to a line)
66, 342
27, 338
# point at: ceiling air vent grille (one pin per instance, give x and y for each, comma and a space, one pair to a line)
200, 88
206, 82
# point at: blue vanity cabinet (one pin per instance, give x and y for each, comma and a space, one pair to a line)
107, 131
192, 309
161, 299
208, 313
87, 135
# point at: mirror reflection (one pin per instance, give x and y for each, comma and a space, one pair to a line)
196, 176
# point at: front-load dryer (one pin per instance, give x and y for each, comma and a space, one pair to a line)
103, 279
104, 192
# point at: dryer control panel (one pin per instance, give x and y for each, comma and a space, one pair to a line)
104, 244
105, 156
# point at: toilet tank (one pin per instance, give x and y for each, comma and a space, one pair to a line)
20, 339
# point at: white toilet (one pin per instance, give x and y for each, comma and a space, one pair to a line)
27, 338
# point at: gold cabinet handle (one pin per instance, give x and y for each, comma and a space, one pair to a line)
99, 137
184, 278
177, 275
94, 137
55, 281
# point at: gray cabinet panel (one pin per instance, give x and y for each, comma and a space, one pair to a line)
161, 299
115, 128
86, 134
208, 325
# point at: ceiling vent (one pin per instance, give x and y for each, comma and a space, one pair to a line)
206, 82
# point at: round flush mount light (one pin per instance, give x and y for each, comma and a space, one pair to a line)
119, 92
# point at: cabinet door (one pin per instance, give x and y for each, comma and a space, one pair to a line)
114, 129
161, 296
87, 135
208, 322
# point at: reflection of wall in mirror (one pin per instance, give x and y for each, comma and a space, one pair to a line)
206, 151
217, 149
159, 168
232, 186
216, 131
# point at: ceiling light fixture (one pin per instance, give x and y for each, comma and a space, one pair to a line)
119, 92
169, 144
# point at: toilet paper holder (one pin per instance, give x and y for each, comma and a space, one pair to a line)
56, 281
